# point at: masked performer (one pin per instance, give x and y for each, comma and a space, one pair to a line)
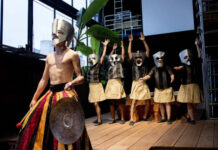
189, 91
139, 90
96, 91
59, 68
163, 93
114, 90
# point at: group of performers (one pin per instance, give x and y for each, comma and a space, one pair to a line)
189, 91
63, 62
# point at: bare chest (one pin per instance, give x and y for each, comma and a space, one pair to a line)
59, 62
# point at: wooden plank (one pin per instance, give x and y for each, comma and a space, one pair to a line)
191, 136
89, 121
215, 140
117, 138
149, 139
170, 138
128, 141
207, 135
112, 135
105, 131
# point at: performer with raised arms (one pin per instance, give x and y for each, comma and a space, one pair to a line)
114, 90
139, 90
189, 91
96, 90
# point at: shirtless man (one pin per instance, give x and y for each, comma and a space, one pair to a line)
59, 68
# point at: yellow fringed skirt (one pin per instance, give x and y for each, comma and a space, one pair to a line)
140, 91
189, 93
96, 92
164, 96
114, 89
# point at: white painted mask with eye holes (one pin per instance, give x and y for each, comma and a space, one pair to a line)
139, 58
185, 57
62, 31
159, 59
93, 59
114, 59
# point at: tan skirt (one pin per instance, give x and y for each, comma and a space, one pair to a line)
114, 89
164, 96
139, 91
96, 92
189, 93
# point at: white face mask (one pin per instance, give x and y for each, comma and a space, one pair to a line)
158, 59
93, 59
138, 58
185, 57
62, 31
114, 59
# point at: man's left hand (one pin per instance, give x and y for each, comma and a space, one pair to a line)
68, 86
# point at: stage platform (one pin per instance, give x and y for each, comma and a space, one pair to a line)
150, 135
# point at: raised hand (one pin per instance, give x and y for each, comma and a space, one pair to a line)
106, 41
130, 37
196, 41
115, 46
142, 37
122, 45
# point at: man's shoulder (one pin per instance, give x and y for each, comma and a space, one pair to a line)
49, 55
72, 52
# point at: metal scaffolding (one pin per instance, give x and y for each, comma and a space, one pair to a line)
122, 20
207, 21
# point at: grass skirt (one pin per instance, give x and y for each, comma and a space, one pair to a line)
164, 96
96, 92
140, 91
114, 89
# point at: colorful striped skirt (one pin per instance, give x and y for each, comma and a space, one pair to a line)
35, 133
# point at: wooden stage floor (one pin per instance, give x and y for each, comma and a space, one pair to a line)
152, 135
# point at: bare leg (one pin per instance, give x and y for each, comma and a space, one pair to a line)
162, 111
133, 107
120, 107
190, 109
168, 110
147, 107
98, 111
112, 109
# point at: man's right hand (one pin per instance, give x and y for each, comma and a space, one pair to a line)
33, 102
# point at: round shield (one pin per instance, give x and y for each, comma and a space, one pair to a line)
67, 120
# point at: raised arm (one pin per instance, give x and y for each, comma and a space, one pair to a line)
142, 38
114, 48
105, 43
41, 85
77, 68
130, 47
123, 51
198, 48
